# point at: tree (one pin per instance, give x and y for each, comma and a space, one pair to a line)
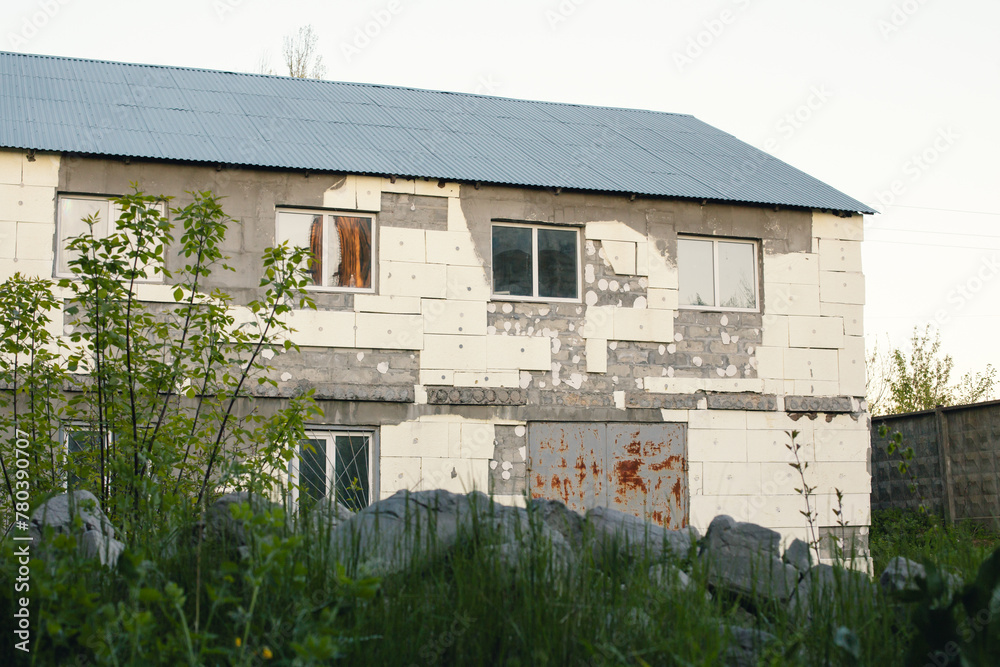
921, 379
300, 55
155, 390
302, 61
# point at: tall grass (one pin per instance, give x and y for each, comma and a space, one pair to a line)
921, 536
300, 598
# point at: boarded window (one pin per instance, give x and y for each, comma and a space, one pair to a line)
636, 468
340, 246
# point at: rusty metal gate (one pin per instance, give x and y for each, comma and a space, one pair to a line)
636, 468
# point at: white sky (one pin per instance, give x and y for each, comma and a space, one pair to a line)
888, 81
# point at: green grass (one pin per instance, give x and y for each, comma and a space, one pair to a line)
922, 536
296, 601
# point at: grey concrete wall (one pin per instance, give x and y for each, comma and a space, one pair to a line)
956, 462
890, 488
251, 197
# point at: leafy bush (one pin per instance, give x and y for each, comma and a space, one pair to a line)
154, 392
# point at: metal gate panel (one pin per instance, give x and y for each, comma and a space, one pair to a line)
636, 468
647, 466
567, 462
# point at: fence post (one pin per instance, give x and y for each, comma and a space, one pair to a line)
944, 452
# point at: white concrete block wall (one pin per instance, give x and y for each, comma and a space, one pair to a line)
814, 303
27, 213
746, 473
439, 451
433, 293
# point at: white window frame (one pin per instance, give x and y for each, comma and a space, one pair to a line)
715, 271
534, 264
327, 214
114, 211
329, 433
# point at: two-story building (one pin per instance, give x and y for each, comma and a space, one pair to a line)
606, 306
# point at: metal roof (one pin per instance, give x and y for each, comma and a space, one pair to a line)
175, 113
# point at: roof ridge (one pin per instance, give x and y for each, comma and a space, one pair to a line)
344, 83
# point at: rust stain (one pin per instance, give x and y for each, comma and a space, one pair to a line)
657, 517
676, 492
653, 447
668, 463
539, 482
581, 465
634, 448
628, 475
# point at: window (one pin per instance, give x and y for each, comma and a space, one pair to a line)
717, 273
82, 446
333, 465
340, 246
536, 262
72, 214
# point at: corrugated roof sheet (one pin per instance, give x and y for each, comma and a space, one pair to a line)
108, 108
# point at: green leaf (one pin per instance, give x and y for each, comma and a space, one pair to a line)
150, 595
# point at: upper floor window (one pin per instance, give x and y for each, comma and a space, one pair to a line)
717, 273
536, 262
340, 246
74, 212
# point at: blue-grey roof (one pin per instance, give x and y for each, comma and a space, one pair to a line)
147, 111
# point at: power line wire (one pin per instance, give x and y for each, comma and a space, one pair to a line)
932, 245
947, 210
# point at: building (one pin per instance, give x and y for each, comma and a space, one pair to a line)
606, 306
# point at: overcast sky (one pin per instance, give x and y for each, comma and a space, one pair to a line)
895, 102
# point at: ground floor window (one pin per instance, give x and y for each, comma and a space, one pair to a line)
82, 447
334, 465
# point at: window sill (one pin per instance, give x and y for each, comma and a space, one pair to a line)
318, 289
500, 298
717, 309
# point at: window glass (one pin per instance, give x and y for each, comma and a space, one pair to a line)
512, 261
333, 465
312, 471
737, 285
557, 261
696, 272
352, 471
82, 453
350, 255
72, 212
340, 246
304, 230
